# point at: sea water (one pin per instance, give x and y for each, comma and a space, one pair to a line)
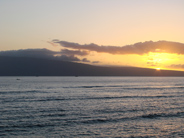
91, 107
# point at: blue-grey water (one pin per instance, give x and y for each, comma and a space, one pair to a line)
92, 107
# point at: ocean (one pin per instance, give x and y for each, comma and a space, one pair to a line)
92, 107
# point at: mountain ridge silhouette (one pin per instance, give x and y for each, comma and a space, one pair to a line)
28, 66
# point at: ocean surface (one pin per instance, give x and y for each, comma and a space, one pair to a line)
92, 107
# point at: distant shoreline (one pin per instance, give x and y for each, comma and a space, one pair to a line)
18, 66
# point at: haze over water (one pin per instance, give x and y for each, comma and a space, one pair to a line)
91, 107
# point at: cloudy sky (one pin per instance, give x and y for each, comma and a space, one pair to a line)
142, 33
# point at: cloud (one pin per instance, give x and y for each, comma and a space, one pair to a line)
138, 48
152, 63
96, 62
66, 55
29, 53
85, 60
74, 52
67, 58
52, 43
177, 66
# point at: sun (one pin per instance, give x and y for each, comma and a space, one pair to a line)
157, 69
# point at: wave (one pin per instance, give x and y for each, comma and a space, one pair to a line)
51, 99
128, 87
156, 115
128, 97
54, 115
47, 99
63, 120
123, 87
105, 98
30, 99
22, 92
51, 110
27, 125
114, 120
91, 120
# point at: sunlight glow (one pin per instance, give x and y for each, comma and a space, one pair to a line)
158, 60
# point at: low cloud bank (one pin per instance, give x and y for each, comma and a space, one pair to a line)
138, 48
77, 52
65, 54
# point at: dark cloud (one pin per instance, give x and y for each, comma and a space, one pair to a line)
29, 53
96, 62
85, 60
66, 55
67, 58
138, 48
74, 52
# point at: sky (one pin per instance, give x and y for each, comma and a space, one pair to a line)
141, 33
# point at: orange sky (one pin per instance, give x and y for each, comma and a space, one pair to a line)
161, 54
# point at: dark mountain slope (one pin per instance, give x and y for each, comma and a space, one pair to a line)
23, 66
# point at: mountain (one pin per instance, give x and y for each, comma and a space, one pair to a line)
24, 66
